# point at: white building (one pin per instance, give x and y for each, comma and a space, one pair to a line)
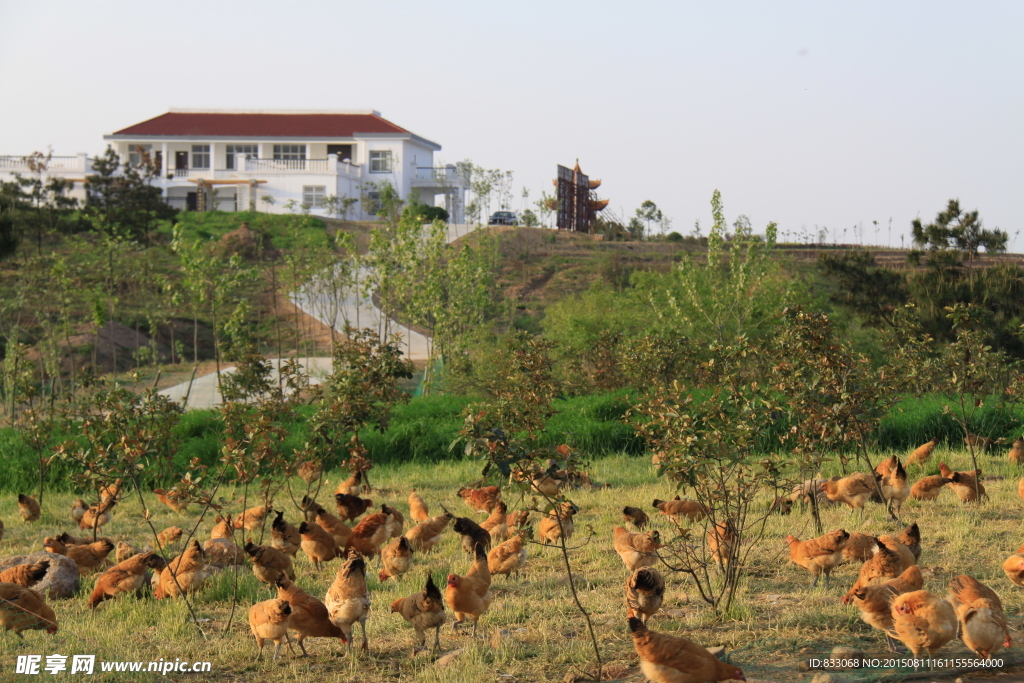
232, 160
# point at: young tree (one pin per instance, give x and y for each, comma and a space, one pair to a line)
650, 213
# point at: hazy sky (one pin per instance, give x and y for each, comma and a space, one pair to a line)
805, 113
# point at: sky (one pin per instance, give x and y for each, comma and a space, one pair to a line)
814, 115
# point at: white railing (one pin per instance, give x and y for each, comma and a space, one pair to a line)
14, 164
437, 175
271, 166
190, 173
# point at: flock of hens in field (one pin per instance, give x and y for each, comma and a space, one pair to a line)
888, 591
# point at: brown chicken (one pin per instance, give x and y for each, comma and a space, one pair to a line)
875, 602
472, 533
334, 526
87, 558
284, 536
396, 559
1013, 567
184, 574
923, 621
982, 443
310, 470
28, 508
636, 517
509, 557
353, 486
922, 453
348, 598
370, 534
425, 535
1016, 454
721, 543
25, 575
23, 609
318, 545
886, 467
906, 555
928, 488
853, 491
482, 499
859, 547
78, 509
1020, 487
223, 528
124, 577
396, 520
470, 596
818, 555
350, 507
676, 509
220, 552
911, 537
418, 511
309, 617
268, 620
671, 659
895, 487
253, 518
168, 536
98, 515
517, 520
637, 549
966, 485
122, 551
980, 613
423, 610
69, 540
111, 491
171, 500
884, 564
268, 563
645, 591
497, 523
549, 530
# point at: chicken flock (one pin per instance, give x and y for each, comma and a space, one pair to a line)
888, 593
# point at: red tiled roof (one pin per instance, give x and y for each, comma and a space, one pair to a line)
202, 124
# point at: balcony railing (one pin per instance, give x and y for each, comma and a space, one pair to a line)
76, 164
275, 166
444, 176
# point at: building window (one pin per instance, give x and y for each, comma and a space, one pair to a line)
251, 151
289, 152
380, 162
313, 196
135, 154
200, 156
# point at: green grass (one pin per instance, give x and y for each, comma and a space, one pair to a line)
532, 631
285, 231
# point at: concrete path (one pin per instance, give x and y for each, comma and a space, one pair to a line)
205, 394
315, 301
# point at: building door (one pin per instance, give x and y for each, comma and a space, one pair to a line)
158, 160
191, 200
343, 151
181, 161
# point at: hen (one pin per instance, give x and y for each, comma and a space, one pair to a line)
1016, 453
675, 509
28, 508
318, 545
853, 491
966, 485
922, 453
396, 559
98, 515
269, 563
1013, 567
482, 499
911, 537
470, 596
423, 610
895, 487
309, 617
635, 516
722, 543
370, 534
171, 500
923, 621
928, 488
310, 470
331, 524
253, 518
645, 591
472, 533
23, 609
78, 509
818, 555
550, 531
348, 598
497, 523
671, 659
980, 613
350, 507
25, 575
268, 620
184, 574
637, 549
509, 557
418, 508
124, 577
353, 486
425, 535
284, 536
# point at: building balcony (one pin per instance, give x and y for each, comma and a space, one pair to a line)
438, 176
75, 165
